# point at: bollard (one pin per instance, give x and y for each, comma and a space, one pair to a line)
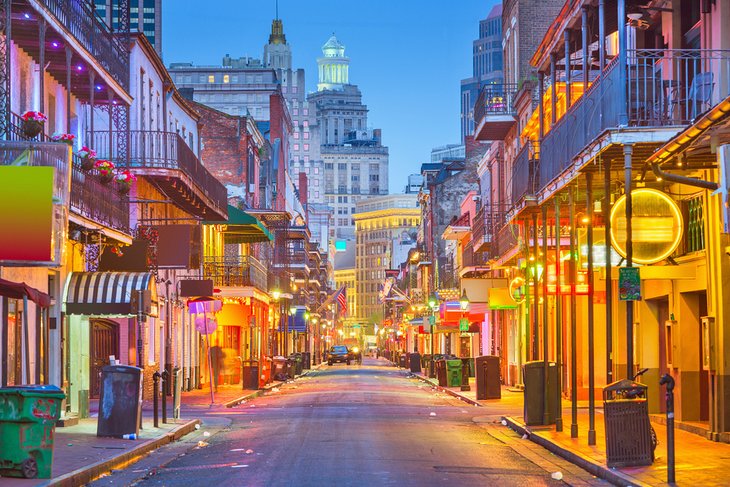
155, 389
165, 378
465, 376
668, 380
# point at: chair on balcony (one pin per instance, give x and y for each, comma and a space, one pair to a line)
699, 95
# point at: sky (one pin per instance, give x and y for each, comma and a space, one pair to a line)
407, 57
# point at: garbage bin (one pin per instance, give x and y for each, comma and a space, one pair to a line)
28, 416
453, 372
279, 368
415, 362
487, 376
626, 419
402, 360
533, 374
265, 371
120, 401
297, 368
250, 374
306, 360
440, 365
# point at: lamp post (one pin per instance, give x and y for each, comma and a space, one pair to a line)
433, 305
464, 305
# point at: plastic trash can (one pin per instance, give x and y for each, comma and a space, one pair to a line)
487, 376
306, 360
453, 373
120, 401
415, 362
440, 365
279, 368
297, 363
533, 374
28, 416
250, 374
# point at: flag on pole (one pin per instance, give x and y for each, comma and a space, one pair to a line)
342, 300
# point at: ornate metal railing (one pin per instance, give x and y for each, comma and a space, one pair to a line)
495, 99
487, 222
524, 172
107, 48
506, 240
241, 271
161, 150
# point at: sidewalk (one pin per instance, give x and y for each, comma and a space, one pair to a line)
698, 460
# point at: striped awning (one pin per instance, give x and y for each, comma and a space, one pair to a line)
106, 293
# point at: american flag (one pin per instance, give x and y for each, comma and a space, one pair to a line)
342, 299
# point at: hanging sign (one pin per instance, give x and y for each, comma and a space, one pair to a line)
629, 284
464, 324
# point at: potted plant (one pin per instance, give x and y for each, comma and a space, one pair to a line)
33, 123
124, 181
106, 170
88, 158
67, 139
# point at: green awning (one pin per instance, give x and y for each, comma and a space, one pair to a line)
242, 228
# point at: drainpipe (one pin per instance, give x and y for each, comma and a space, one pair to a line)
676, 178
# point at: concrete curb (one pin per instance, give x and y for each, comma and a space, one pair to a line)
84, 475
443, 389
589, 465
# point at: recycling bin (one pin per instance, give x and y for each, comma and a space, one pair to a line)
415, 362
250, 374
440, 365
487, 376
120, 401
533, 374
453, 373
626, 419
28, 416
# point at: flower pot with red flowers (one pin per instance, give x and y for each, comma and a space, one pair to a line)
67, 139
88, 158
106, 170
124, 181
33, 123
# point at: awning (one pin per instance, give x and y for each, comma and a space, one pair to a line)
17, 290
242, 227
106, 293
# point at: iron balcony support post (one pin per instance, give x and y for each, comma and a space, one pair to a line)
536, 301
628, 152
553, 88
573, 321
609, 280
568, 88
591, 324
558, 321
545, 364
42, 64
623, 116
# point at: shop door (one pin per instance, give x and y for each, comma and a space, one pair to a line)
104, 342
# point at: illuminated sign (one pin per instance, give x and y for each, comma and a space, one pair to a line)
516, 290
656, 225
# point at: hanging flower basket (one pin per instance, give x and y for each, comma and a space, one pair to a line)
67, 139
106, 170
88, 158
124, 181
33, 123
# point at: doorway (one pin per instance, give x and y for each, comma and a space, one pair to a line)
104, 342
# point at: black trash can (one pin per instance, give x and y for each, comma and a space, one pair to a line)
306, 360
441, 374
626, 418
402, 360
487, 376
280, 368
250, 374
533, 374
415, 362
120, 401
296, 359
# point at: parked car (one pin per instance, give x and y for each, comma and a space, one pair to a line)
338, 353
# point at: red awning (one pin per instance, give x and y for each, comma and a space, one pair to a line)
17, 290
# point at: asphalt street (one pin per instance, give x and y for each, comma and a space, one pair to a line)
348, 425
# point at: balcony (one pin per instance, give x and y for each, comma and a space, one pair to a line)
486, 223
665, 89
74, 24
494, 111
165, 158
471, 260
506, 241
90, 200
524, 173
242, 271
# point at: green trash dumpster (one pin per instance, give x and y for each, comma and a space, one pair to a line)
453, 372
28, 416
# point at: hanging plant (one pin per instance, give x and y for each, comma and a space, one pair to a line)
67, 139
124, 181
106, 170
33, 123
88, 158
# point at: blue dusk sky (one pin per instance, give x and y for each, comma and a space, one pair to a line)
407, 56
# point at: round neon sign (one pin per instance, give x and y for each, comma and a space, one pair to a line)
515, 290
656, 225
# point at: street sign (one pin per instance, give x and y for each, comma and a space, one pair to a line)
432, 320
629, 284
464, 324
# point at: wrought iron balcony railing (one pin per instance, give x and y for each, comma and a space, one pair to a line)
524, 172
487, 222
161, 150
495, 99
242, 271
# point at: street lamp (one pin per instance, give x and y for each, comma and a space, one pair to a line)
464, 305
433, 305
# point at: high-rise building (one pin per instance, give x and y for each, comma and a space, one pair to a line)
450, 151
486, 66
386, 229
355, 160
144, 16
